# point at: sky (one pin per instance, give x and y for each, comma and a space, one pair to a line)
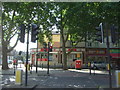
23, 46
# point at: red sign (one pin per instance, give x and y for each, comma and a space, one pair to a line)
96, 52
71, 49
42, 59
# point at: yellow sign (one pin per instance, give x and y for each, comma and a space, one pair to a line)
78, 55
18, 79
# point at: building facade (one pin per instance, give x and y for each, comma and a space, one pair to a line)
85, 51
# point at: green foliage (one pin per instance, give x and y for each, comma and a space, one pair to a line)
74, 20
77, 17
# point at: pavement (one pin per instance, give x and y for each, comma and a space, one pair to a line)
57, 78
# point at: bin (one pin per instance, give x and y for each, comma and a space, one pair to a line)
78, 64
18, 79
117, 74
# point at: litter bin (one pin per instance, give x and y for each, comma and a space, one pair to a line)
117, 74
18, 79
78, 64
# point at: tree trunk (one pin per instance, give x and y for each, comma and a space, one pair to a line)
64, 55
4, 57
64, 58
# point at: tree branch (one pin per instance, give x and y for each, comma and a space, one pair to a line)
12, 36
10, 49
11, 25
65, 22
66, 37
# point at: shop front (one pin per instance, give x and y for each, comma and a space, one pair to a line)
100, 55
96, 55
115, 56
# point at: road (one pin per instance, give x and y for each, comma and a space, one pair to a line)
58, 78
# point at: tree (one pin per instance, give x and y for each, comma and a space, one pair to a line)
73, 20
70, 21
76, 19
8, 31
14, 14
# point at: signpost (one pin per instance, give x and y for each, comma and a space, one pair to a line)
108, 55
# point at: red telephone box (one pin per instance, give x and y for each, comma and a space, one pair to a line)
78, 64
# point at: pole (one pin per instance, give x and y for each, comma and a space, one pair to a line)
26, 73
37, 58
90, 68
48, 58
14, 68
108, 56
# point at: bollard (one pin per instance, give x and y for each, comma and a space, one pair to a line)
18, 79
117, 74
42, 65
54, 66
90, 68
